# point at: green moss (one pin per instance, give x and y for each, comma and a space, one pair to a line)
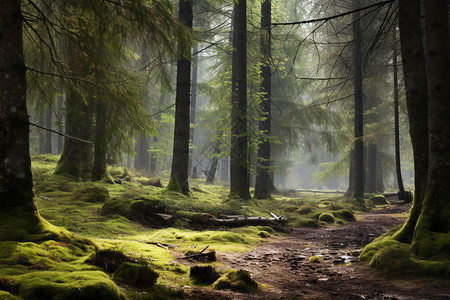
7, 296
326, 217
303, 210
238, 281
394, 260
91, 194
315, 259
378, 200
67, 285
431, 245
136, 275
344, 214
264, 234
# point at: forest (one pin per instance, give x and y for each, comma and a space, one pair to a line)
224, 149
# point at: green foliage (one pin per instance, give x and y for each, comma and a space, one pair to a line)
238, 281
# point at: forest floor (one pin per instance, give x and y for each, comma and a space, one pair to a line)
285, 272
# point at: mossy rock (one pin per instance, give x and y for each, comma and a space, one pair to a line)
238, 281
378, 200
148, 206
304, 210
91, 194
315, 259
117, 206
345, 214
67, 285
136, 275
264, 234
203, 274
6, 283
326, 217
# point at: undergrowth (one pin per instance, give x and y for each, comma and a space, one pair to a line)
117, 217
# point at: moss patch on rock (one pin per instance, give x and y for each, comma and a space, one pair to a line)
326, 217
203, 274
238, 281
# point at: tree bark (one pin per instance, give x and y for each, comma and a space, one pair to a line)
262, 183
214, 162
414, 73
358, 161
239, 183
99, 165
180, 160
48, 134
192, 169
398, 167
16, 180
430, 240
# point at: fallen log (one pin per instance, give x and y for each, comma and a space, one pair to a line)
210, 256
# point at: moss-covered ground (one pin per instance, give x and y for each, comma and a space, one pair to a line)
123, 219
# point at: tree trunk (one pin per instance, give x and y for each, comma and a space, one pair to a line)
16, 180
262, 183
213, 168
60, 125
48, 134
430, 239
414, 73
371, 182
239, 183
141, 161
99, 165
41, 133
179, 174
76, 157
358, 160
398, 167
193, 106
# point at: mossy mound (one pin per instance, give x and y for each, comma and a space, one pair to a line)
303, 210
378, 200
394, 260
326, 217
203, 274
136, 275
315, 259
7, 296
67, 285
238, 281
91, 194
344, 214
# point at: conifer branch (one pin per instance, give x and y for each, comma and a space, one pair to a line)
325, 19
59, 133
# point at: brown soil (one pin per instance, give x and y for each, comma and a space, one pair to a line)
282, 265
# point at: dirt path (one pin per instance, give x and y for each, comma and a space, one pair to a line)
283, 266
